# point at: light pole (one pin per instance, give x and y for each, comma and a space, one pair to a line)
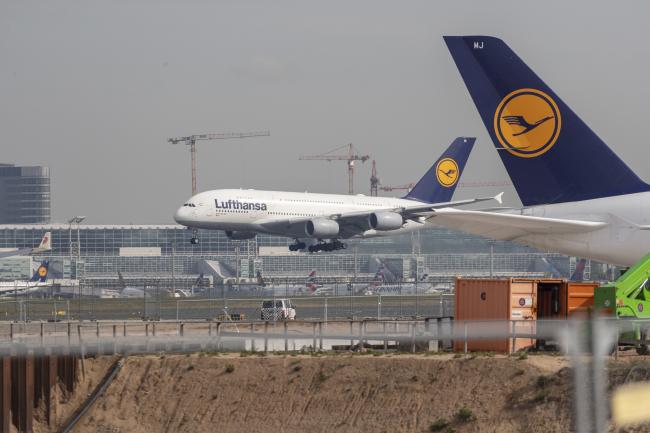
76, 220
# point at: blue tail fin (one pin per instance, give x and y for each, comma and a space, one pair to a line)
439, 183
551, 155
41, 273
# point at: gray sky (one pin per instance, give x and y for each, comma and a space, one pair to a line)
93, 89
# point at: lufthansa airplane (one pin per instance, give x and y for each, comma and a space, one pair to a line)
579, 198
315, 219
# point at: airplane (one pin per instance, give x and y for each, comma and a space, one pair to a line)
125, 291
579, 198
44, 246
37, 282
385, 283
311, 286
242, 214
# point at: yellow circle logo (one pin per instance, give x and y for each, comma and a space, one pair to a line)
42, 271
447, 172
527, 123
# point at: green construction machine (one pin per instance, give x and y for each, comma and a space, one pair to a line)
628, 298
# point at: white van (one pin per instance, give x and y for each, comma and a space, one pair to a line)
282, 310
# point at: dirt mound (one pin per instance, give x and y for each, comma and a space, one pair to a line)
334, 393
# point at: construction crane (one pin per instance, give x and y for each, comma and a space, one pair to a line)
374, 180
351, 157
192, 139
407, 187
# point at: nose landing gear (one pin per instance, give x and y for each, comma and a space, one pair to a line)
194, 240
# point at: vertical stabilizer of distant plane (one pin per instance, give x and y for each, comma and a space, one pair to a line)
552, 156
46, 243
310, 281
41, 273
579, 272
439, 182
120, 280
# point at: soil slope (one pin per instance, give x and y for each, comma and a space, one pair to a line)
342, 393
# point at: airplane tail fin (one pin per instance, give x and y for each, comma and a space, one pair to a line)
120, 280
552, 156
439, 182
579, 272
46, 242
260, 279
310, 281
41, 273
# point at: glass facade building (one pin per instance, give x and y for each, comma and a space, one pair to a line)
101, 251
24, 195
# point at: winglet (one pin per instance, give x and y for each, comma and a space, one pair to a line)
499, 197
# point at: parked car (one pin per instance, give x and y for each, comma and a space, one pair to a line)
282, 310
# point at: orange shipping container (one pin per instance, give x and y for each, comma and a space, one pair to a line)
494, 302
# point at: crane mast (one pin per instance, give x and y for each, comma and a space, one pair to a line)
191, 140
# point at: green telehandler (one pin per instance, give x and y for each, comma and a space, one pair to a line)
628, 298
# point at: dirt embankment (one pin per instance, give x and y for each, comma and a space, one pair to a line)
334, 394
91, 373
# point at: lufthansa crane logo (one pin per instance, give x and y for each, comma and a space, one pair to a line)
447, 172
527, 123
42, 271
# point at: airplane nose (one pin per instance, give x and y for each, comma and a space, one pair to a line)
182, 215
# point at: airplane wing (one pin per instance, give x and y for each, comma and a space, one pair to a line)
19, 252
353, 223
504, 226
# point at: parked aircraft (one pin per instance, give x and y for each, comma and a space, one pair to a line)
37, 282
579, 198
310, 287
309, 217
44, 246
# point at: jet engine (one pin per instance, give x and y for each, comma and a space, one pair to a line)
321, 228
240, 236
385, 221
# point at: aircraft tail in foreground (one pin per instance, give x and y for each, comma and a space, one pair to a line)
552, 156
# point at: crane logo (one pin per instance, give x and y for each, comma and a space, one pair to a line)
527, 123
447, 172
42, 271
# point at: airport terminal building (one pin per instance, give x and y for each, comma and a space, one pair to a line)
96, 254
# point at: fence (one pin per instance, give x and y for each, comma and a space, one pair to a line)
159, 308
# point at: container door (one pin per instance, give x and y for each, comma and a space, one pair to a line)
580, 298
523, 313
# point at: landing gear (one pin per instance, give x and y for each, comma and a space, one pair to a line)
297, 246
327, 246
194, 240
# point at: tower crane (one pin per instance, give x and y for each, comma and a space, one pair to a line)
374, 180
191, 140
351, 157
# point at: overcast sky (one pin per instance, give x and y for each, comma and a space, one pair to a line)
93, 89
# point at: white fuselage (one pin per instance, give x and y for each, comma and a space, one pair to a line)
246, 210
620, 242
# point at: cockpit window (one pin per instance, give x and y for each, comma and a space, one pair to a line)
189, 205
